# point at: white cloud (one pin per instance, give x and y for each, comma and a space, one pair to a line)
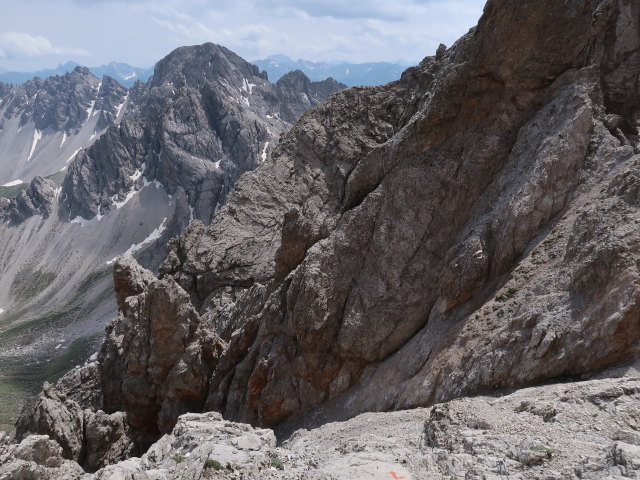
147, 30
23, 45
320, 30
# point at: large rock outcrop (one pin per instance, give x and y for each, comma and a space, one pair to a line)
468, 228
445, 236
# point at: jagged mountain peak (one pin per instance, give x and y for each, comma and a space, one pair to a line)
193, 65
205, 117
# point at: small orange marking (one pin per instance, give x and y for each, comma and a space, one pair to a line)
395, 476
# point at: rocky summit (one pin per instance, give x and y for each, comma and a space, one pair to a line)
457, 249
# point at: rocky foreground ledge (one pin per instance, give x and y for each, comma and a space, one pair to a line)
584, 430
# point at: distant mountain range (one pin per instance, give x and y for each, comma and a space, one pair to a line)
373, 73
124, 73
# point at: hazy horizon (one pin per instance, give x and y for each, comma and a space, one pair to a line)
140, 32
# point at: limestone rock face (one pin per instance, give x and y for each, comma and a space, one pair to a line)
36, 458
52, 414
37, 199
158, 356
468, 228
92, 439
455, 231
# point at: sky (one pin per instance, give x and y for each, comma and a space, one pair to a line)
36, 34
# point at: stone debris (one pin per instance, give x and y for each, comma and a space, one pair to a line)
593, 435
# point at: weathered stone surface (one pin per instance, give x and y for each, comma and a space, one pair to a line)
401, 245
469, 228
36, 458
52, 413
37, 199
158, 356
484, 437
82, 385
91, 439
63, 102
107, 439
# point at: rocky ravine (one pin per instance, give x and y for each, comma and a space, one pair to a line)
468, 228
175, 147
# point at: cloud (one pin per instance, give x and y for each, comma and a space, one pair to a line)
396, 11
23, 45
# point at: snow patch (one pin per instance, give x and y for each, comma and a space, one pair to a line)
64, 138
13, 184
153, 236
156, 183
119, 107
246, 86
122, 203
80, 220
129, 77
1, 311
263, 155
37, 135
191, 217
90, 109
73, 155
138, 173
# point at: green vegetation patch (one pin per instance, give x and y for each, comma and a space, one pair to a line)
57, 177
213, 464
19, 380
276, 462
29, 282
547, 450
10, 192
33, 325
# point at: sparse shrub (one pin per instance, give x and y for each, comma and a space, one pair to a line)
178, 459
276, 462
213, 464
547, 450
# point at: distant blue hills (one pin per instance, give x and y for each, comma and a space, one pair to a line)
372, 73
124, 73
